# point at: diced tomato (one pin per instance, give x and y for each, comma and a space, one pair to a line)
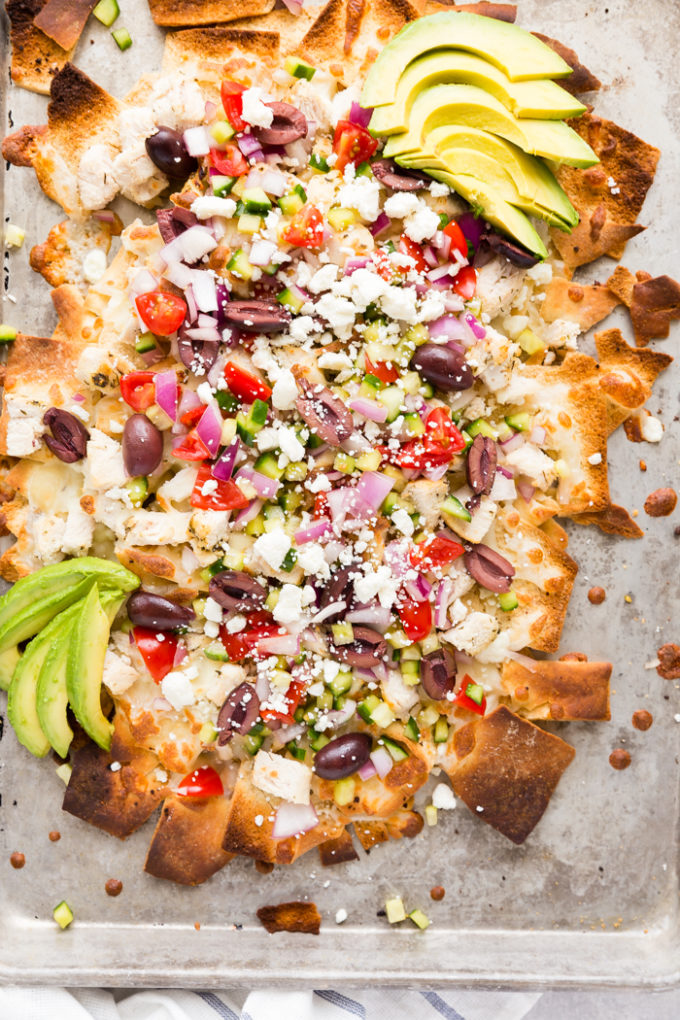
292, 697
381, 370
245, 385
161, 311
352, 144
321, 506
416, 455
416, 617
440, 429
227, 495
240, 646
306, 229
465, 282
137, 389
437, 552
464, 701
192, 447
192, 417
202, 782
229, 161
384, 266
414, 251
158, 652
458, 240
232, 101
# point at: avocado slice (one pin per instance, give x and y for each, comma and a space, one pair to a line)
85, 666
518, 53
34, 600
52, 692
21, 702
8, 662
469, 106
541, 99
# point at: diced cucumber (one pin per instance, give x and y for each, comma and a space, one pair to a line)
289, 299
414, 424
122, 38
319, 163
475, 692
453, 506
317, 740
289, 561
274, 514
343, 791
7, 333
342, 219
390, 504
299, 753
257, 201
106, 11
207, 733
431, 814
507, 600
298, 69
440, 732
420, 919
341, 683
394, 908
226, 401
392, 398
222, 185
291, 203
369, 461
145, 342
216, 652
366, 707
480, 427
427, 717
64, 772
370, 387
530, 343
289, 500
222, 131
397, 752
62, 914
345, 463
254, 739
343, 633
411, 730
296, 472
137, 489
249, 223
267, 464
239, 265
383, 715
519, 422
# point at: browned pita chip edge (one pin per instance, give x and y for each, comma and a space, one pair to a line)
296, 916
559, 690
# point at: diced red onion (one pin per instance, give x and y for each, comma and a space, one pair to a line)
370, 409
193, 244
339, 716
448, 327
248, 144
476, 327
330, 610
261, 253
524, 660
209, 429
442, 242
513, 443
216, 372
373, 487
167, 392
525, 489
367, 771
188, 559
262, 688
382, 761
377, 617
248, 513
418, 587
433, 474
440, 272
264, 486
293, 819
180, 275
472, 227
280, 644
197, 141
188, 401
360, 115
395, 556
223, 468
430, 256
537, 435
351, 265
504, 471
104, 216
445, 590
205, 291
313, 533
273, 183
355, 443
142, 282
210, 109
180, 654
453, 302
380, 224
79, 398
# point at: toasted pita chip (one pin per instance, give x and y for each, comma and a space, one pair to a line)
655, 303
69, 305
371, 833
118, 802
206, 47
609, 196
187, 844
186, 13
63, 21
559, 690
293, 917
555, 534
621, 283
501, 12
338, 851
60, 258
35, 58
627, 374
507, 771
580, 79
290, 28
586, 304
613, 520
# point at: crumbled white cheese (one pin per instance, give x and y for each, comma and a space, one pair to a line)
212, 610
438, 189
290, 444
119, 673
651, 428
311, 559
443, 798
403, 522
273, 547
362, 194
210, 205
285, 391
422, 224
255, 112
400, 303
338, 311
323, 278
236, 624
333, 361
401, 204
94, 265
282, 777
475, 632
595, 459
378, 582
178, 690
288, 608
340, 915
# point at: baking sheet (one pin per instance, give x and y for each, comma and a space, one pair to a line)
592, 897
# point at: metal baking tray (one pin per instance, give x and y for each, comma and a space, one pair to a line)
592, 897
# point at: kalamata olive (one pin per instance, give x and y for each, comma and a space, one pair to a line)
398, 178
167, 151
440, 365
481, 464
146, 609
196, 354
69, 436
367, 648
510, 250
489, 568
343, 756
338, 589
239, 712
258, 315
142, 446
325, 413
174, 221
288, 125
234, 589
438, 673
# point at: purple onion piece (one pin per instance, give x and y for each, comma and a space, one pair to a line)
513, 252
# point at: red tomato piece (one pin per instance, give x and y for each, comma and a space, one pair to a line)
192, 447
440, 429
352, 144
464, 701
137, 389
414, 251
381, 370
416, 455
458, 240
245, 385
202, 782
232, 101
229, 161
158, 652
437, 552
243, 644
321, 506
416, 617
226, 496
465, 282
306, 229
161, 311
192, 417
293, 696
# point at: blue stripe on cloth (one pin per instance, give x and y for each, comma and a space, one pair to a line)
220, 1008
436, 1001
349, 1005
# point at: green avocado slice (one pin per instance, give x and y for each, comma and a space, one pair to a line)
21, 702
85, 667
515, 51
52, 692
472, 107
543, 99
8, 662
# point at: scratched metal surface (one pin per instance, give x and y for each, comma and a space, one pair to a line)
591, 898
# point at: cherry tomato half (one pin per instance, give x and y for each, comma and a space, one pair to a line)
158, 653
437, 552
192, 447
457, 237
193, 416
245, 385
352, 144
243, 644
292, 697
305, 230
415, 252
221, 495
383, 371
138, 390
463, 701
465, 282
232, 101
229, 161
416, 617
440, 429
161, 311
202, 782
